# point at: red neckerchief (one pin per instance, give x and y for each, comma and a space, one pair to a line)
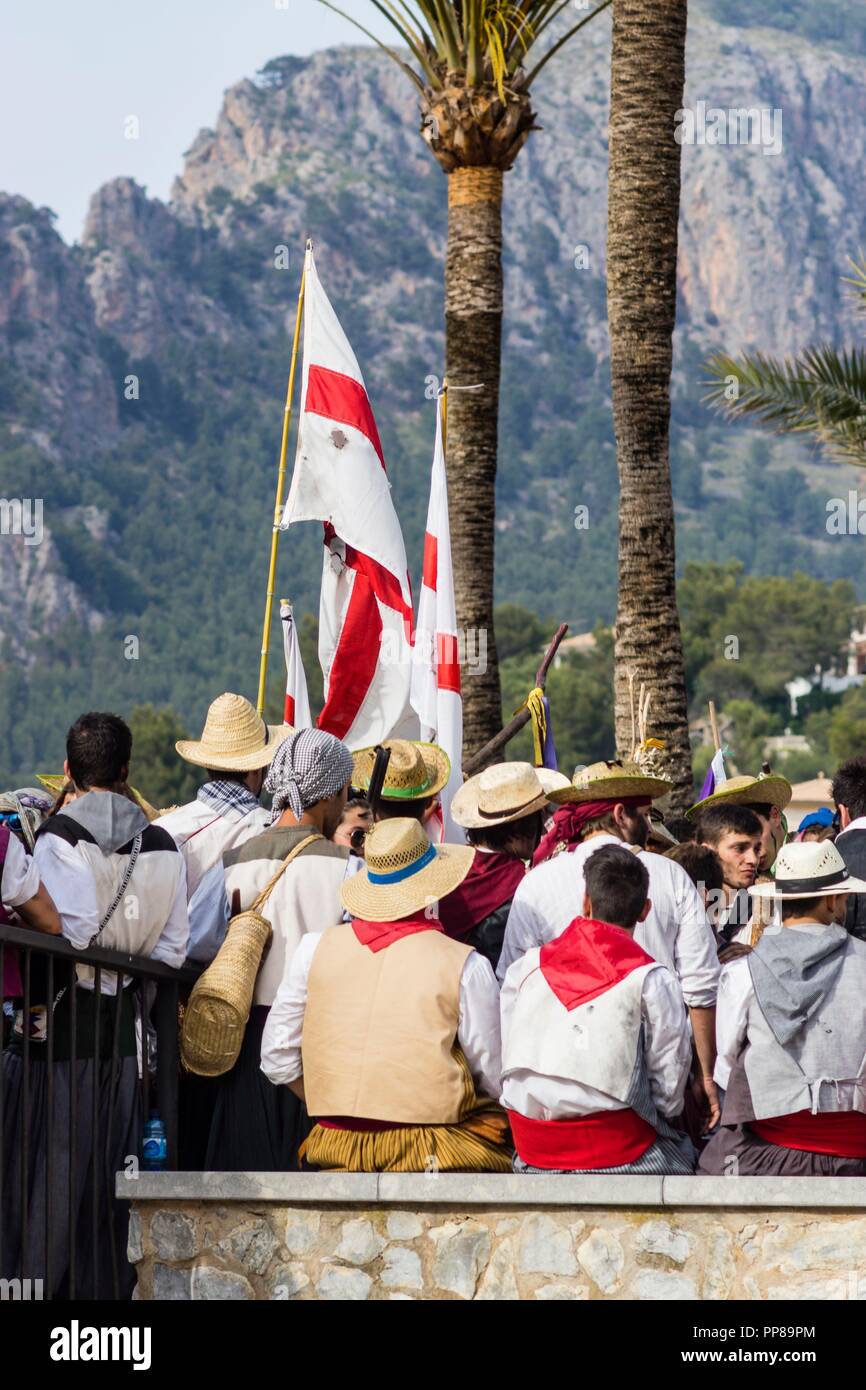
492, 880
378, 935
588, 959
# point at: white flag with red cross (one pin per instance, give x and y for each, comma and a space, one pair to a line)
297, 707
436, 669
365, 612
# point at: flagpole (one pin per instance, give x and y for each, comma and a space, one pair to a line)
443, 406
278, 505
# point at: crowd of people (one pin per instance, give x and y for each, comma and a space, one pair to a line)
580, 986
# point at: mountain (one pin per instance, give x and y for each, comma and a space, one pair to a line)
142, 371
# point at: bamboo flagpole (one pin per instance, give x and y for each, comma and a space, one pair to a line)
278, 504
715, 727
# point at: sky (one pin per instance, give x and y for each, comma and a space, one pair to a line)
72, 73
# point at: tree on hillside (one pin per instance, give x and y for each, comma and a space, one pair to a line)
156, 771
647, 80
821, 391
474, 78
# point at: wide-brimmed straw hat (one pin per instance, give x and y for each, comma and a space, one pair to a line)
768, 789
503, 793
415, 770
403, 872
611, 781
235, 738
808, 869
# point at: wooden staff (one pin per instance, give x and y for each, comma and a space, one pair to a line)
714, 726
278, 504
490, 749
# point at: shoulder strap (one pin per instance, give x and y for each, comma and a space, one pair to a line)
293, 854
124, 884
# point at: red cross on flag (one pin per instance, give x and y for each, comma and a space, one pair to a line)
365, 612
436, 669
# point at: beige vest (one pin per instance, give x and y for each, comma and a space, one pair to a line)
380, 1026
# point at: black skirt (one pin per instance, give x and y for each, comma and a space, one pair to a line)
257, 1127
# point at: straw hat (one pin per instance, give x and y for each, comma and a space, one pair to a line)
415, 770
235, 738
611, 781
403, 872
503, 793
766, 790
808, 869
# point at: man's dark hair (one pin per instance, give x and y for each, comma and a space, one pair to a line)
762, 808
702, 864
499, 837
717, 821
357, 803
849, 787
617, 885
390, 808
798, 907
98, 749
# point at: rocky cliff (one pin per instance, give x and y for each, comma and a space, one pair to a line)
141, 372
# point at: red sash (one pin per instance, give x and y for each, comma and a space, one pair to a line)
607, 1139
841, 1133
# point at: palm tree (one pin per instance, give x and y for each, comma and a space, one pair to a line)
821, 391
473, 78
647, 79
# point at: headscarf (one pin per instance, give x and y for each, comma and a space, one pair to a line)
308, 766
569, 821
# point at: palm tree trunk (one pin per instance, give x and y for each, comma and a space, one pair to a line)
647, 80
473, 336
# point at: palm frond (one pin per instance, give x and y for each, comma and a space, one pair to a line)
820, 392
858, 279
486, 40
554, 48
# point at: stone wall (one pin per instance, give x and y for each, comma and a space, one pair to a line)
246, 1236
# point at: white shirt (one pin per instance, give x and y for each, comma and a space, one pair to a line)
477, 1026
69, 879
667, 1050
20, 878
858, 824
203, 834
676, 933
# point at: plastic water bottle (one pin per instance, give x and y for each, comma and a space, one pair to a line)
155, 1146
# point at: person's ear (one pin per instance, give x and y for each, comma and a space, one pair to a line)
645, 911
431, 810
586, 910
66, 773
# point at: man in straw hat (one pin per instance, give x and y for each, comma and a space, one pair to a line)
388, 1029
501, 810
610, 801
416, 774
236, 748
595, 1042
766, 795
792, 1032
255, 1127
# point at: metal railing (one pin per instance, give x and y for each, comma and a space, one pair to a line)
159, 988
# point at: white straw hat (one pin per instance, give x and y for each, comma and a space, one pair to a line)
235, 738
503, 793
403, 872
808, 869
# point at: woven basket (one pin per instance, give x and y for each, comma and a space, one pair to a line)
215, 1018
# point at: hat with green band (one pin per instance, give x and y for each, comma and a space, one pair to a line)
416, 771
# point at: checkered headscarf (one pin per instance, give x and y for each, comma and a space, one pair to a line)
308, 766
